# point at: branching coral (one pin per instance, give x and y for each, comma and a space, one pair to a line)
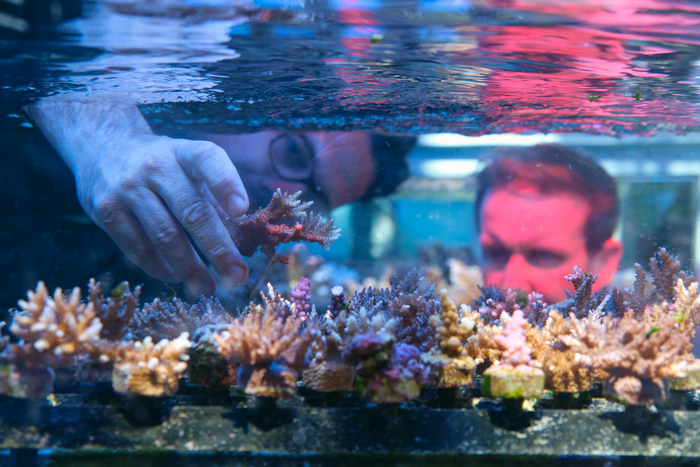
148, 369
639, 299
448, 359
536, 310
284, 220
515, 375
385, 371
115, 312
686, 311
492, 303
583, 284
513, 343
337, 303
564, 371
412, 313
300, 297
53, 330
393, 374
664, 268
268, 348
168, 319
637, 355
328, 370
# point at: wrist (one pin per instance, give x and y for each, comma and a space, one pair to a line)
79, 127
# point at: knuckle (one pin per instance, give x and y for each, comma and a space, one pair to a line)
152, 165
194, 215
137, 251
189, 272
104, 209
202, 151
222, 254
167, 238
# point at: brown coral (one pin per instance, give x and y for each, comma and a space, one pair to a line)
637, 355
448, 359
327, 369
115, 312
53, 330
564, 372
148, 369
284, 220
267, 348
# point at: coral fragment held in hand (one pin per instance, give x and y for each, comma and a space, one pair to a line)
284, 220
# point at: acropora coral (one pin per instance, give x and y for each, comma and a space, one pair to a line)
328, 370
450, 364
564, 371
383, 343
300, 297
268, 347
515, 375
148, 369
67, 331
637, 355
284, 220
385, 372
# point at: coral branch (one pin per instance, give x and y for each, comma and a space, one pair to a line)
268, 349
284, 220
148, 369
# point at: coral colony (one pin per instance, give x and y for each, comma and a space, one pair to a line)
383, 344
270, 226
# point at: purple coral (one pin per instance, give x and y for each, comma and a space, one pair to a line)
493, 308
399, 381
337, 302
516, 353
536, 309
300, 297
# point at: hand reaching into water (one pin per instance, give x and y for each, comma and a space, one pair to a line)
146, 191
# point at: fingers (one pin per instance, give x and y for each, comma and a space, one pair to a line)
207, 162
126, 231
198, 217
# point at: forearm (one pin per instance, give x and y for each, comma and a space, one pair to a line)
81, 127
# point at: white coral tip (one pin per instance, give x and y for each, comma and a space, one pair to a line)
41, 345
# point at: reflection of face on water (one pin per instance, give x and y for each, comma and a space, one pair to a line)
532, 240
331, 168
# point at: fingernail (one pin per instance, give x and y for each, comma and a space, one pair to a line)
240, 273
236, 205
206, 288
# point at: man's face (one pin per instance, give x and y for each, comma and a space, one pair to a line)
531, 240
343, 168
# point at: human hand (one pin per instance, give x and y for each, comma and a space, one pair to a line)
146, 191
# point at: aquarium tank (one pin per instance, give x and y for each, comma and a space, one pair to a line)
325, 232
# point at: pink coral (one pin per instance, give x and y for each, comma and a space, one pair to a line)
284, 220
516, 353
300, 297
494, 308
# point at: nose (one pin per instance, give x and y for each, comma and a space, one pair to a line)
518, 273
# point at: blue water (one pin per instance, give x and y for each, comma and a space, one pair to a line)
617, 68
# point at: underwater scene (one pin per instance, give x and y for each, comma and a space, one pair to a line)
362, 232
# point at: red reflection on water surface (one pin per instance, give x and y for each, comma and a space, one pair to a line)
597, 71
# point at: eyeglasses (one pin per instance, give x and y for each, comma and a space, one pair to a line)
291, 156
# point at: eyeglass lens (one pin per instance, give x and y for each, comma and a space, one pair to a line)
291, 156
